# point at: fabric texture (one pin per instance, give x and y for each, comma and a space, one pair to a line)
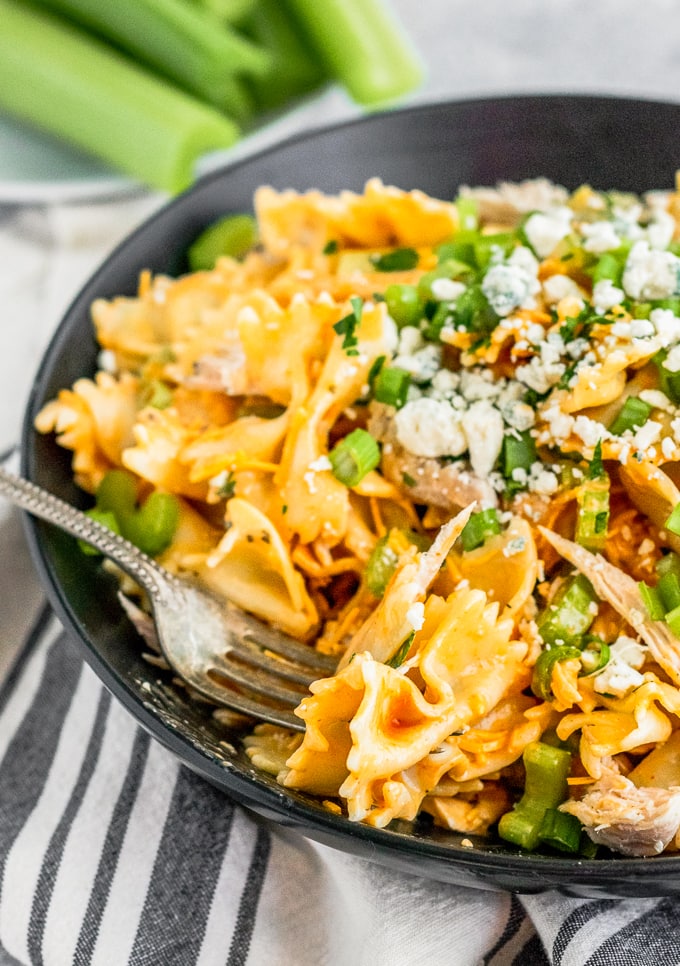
113, 853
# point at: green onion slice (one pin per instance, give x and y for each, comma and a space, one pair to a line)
569, 615
354, 456
479, 528
672, 524
633, 414
543, 668
594, 656
390, 386
652, 601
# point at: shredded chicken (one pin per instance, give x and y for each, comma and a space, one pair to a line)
388, 625
621, 591
430, 481
625, 818
506, 203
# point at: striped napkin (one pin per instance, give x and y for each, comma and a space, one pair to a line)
113, 853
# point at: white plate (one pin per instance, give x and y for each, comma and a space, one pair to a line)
36, 168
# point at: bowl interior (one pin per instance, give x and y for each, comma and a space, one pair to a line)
606, 142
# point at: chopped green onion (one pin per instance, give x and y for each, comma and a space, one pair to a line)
354, 456
157, 394
473, 312
399, 260
460, 250
479, 528
596, 470
672, 524
348, 325
669, 382
331, 247
468, 213
633, 414
485, 245
592, 515
233, 235
608, 266
642, 310
594, 655
652, 601
449, 268
518, 453
669, 563
391, 386
227, 488
672, 618
545, 787
403, 304
541, 679
362, 45
672, 303
78, 88
668, 589
560, 830
380, 566
443, 315
569, 615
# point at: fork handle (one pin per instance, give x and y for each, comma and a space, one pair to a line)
41, 503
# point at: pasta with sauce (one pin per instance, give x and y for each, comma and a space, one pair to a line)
440, 440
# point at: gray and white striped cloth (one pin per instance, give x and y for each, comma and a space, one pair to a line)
113, 853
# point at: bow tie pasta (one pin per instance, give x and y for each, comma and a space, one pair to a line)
439, 440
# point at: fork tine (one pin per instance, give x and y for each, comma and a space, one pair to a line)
251, 707
279, 666
254, 632
257, 680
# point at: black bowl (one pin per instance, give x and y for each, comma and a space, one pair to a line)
606, 142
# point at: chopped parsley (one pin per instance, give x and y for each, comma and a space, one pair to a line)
399, 260
348, 325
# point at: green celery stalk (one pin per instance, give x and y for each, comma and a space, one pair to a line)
189, 46
362, 45
545, 788
296, 68
229, 11
62, 80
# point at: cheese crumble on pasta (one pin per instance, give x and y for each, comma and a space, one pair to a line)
506, 571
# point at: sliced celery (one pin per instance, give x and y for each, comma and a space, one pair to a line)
62, 80
362, 45
233, 235
296, 68
189, 46
229, 11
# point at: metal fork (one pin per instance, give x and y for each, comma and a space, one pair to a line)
219, 650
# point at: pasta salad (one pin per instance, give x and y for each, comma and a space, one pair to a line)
441, 441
